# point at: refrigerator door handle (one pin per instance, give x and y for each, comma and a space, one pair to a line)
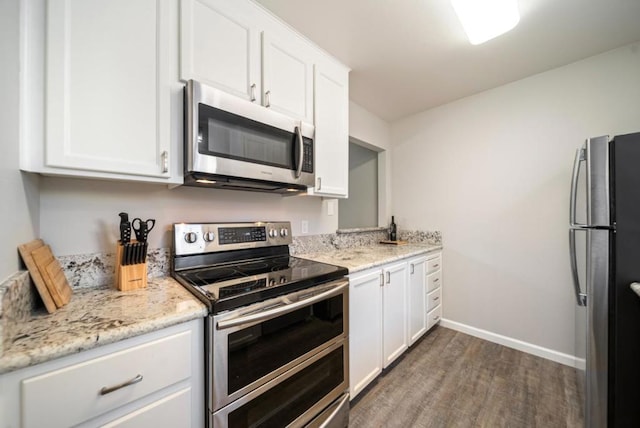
580, 157
581, 297
635, 286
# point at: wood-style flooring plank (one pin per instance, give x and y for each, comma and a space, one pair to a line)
450, 379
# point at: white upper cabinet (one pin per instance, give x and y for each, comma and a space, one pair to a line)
287, 76
238, 48
112, 94
331, 91
220, 46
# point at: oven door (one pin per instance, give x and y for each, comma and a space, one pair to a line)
315, 391
250, 346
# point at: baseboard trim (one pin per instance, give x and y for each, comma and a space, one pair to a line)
529, 348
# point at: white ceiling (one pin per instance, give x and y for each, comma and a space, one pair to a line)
410, 55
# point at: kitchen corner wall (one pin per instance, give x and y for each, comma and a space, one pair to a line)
19, 209
492, 172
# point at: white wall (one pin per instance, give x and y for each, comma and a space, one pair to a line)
18, 192
375, 134
492, 171
81, 216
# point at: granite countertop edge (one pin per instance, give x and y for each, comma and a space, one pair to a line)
359, 259
82, 325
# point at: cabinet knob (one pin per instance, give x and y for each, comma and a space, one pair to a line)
253, 92
267, 99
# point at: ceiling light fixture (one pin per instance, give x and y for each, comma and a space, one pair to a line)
485, 19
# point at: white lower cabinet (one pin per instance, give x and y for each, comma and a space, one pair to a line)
434, 289
152, 380
390, 308
377, 322
365, 329
417, 306
394, 313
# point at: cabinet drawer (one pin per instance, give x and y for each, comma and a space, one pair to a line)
433, 299
434, 281
74, 394
434, 264
433, 317
171, 411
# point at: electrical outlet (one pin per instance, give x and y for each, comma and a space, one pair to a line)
304, 226
331, 210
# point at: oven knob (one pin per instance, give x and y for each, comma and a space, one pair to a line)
209, 236
272, 282
190, 237
273, 233
284, 232
283, 279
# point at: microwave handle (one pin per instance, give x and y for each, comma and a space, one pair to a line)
298, 132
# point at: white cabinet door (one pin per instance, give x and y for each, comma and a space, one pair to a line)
365, 330
109, 85
394, 313
287, 75
220, 46
331, 90
416, 307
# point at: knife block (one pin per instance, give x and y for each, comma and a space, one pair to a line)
129, 277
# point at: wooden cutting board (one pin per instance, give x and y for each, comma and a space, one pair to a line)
395, 242
25, 252
53, 275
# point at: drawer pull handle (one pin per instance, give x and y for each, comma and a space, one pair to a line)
436, 265
436, 298
106, 390
436, 318
436, 280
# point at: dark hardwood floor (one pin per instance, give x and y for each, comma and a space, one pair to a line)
451, 379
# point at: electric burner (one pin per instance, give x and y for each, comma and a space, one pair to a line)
251, 264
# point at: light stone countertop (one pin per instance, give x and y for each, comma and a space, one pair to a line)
96, 317
361, 258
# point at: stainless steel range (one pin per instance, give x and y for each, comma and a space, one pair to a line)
276, 337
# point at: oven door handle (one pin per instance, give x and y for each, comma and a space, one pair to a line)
281, 310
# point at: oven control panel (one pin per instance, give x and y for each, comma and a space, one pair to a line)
198, 238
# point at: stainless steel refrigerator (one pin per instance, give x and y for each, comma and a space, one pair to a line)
604, 241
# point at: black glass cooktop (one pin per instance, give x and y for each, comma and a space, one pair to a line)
231, 285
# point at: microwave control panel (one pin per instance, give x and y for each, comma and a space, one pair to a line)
307, 155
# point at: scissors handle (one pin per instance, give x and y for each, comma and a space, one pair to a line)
142, 228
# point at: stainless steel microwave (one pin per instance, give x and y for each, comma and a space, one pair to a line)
233, 143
